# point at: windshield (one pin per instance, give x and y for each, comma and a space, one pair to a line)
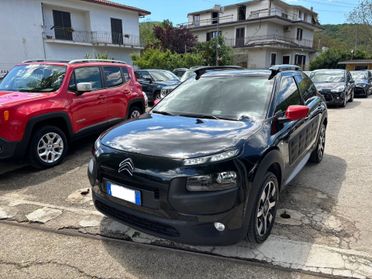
188, 74
163, 76
328, 77
232, 98
34, 78
359, 75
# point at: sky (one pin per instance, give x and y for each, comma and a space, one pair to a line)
330, 11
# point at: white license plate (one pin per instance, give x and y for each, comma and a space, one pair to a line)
123, 193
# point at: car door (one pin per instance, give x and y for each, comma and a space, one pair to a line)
117, 92
293, 135
87, 109
145, 79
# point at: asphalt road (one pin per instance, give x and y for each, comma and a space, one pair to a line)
329, 230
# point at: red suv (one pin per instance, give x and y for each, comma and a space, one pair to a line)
45, 105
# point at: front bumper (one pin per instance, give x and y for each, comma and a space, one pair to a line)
7, 149
361, 91
333, 98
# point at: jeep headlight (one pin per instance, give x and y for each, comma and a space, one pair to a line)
212, 158
213, 182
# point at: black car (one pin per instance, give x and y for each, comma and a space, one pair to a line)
153, 81
179, 72
363, 83
200, 70
206, 165
337, 86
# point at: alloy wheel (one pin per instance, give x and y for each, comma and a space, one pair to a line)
266, 209
321, 143
50, 148
135, 114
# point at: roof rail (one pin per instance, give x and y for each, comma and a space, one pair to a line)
281, 68
203, 69
96, 60
43, 60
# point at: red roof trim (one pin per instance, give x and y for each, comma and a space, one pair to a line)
119, 6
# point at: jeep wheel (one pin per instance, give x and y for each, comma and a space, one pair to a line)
134, 112
318, 153
48, 147
264, 212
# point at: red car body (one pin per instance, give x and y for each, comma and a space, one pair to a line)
22, 113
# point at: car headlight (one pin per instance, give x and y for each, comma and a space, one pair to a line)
97, 148
339, 89
213, 182
92, 172
212, 158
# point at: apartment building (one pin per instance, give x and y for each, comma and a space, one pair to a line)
68, 29
261, 32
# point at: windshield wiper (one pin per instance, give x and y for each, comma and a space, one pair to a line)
162, 112
199, 115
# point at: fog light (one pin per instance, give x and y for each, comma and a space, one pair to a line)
219, 226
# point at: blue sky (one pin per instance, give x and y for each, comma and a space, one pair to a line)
330, 11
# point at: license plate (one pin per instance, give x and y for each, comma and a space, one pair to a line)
123, 193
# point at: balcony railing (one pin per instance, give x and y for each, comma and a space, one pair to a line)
254, 15
269, 40
91, 37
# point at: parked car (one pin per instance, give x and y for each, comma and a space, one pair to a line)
179, 72
363, 83
153, 81
206, 165
308, 73
46, 105
337, 86
200, 70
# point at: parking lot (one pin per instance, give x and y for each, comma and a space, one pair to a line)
323, 224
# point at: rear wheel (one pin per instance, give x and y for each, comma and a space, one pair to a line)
318, 153
264, 212
48, 147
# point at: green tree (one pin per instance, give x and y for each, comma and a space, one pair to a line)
167, 60
329, 59
208, 51
147, 33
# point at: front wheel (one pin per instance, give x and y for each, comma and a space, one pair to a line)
264, 212
351, 97
48, 147
318, 153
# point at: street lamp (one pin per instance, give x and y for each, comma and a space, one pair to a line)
217, 9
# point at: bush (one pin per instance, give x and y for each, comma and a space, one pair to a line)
167, 60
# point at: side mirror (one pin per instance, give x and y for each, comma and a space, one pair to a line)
83, 87
296, 112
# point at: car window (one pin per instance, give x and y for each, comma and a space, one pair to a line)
112, 76
126, 75
288, 94
89, 74
142, 75
72, 83
306, 87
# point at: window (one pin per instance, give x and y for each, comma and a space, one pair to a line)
89, 74
300, 60
239, 39
62, 25
196, 20
288, 94
273, 59
126, 75
215, 17
306, 87
300, 14
117, 31
143, 75
242, 10
112, 76
299, 34
212, 35
286, 59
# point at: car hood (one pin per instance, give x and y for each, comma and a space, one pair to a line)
328, 85
168, 83
361, 81
178, 137
12, 98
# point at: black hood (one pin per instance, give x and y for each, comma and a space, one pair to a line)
328, 85
172, 82
178, 137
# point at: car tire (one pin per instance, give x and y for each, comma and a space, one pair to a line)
344, 102
351, 97
157, 96
48, 147
264, 211
134, 112
318, 153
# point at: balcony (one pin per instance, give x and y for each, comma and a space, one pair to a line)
254, 15
94, 38
269, 40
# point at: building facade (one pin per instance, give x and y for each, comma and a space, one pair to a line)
68, 29
261, 32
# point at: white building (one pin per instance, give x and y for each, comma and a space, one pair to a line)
262, 32
67, 29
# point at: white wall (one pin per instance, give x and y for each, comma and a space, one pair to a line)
21, 32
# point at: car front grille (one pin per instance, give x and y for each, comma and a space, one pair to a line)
136, 221
359, 91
